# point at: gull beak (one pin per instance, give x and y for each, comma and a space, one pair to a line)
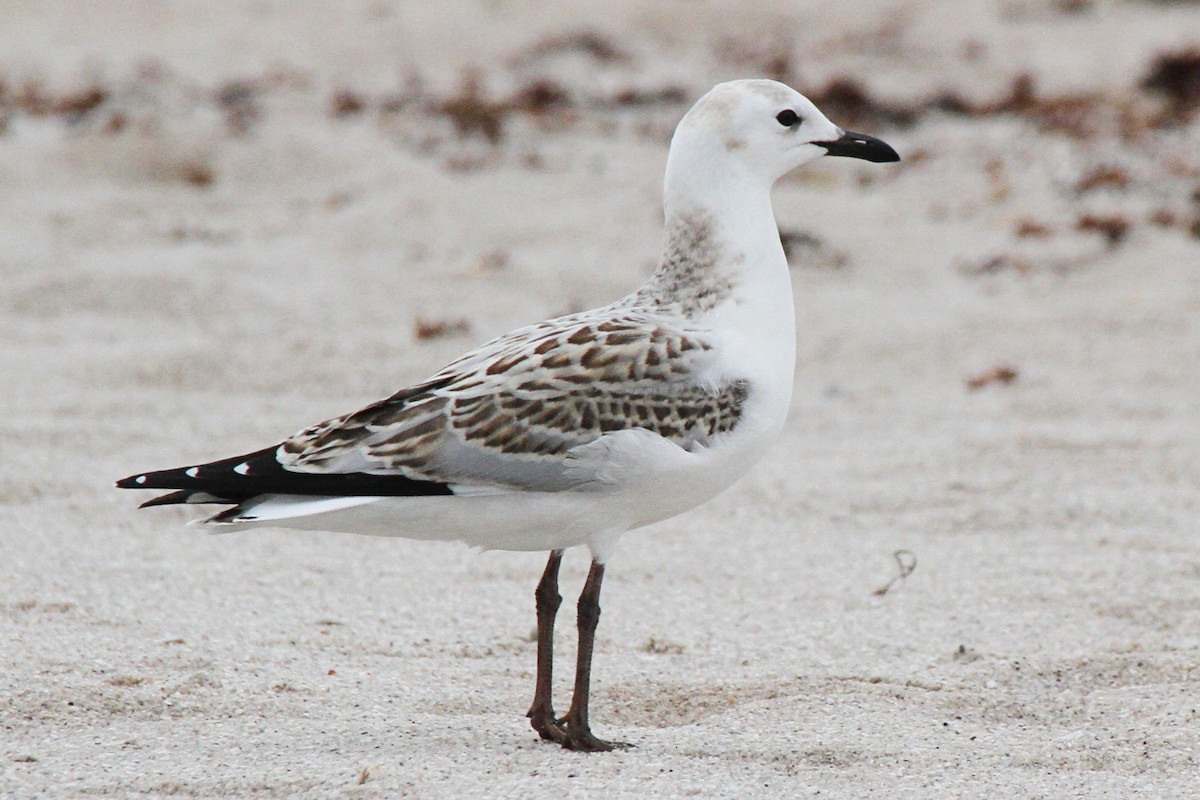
859, 145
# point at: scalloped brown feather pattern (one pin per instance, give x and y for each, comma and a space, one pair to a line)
530, 397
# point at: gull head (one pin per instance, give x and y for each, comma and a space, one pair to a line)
765, 129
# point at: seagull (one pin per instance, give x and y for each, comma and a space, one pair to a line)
572, 431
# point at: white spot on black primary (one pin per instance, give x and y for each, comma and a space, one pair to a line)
242, 477
193, 472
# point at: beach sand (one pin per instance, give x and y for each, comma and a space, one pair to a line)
266, 214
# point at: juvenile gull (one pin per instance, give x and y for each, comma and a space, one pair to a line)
575, 430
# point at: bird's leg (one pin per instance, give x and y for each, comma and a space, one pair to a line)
575, 724
541, 713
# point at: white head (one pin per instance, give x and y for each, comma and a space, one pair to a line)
761, 130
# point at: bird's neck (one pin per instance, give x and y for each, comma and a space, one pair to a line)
721, 242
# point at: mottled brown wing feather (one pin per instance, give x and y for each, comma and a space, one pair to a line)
508, 413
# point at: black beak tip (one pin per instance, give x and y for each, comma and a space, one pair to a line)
859, 145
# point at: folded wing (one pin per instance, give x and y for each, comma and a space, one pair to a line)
503, 417
508, 414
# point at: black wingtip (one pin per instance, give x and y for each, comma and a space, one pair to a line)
236, 479
171, 499
132, 482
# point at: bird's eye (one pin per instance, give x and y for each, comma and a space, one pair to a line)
787, 118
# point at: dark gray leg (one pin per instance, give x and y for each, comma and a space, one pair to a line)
541, 713
575, 724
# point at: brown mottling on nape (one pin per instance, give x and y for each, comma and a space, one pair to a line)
691, 274
733, 143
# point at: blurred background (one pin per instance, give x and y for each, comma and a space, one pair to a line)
222, 221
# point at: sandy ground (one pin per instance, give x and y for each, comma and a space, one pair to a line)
243, 230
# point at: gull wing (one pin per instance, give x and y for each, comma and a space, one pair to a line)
507, 415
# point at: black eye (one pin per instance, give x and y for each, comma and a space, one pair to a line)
787, 118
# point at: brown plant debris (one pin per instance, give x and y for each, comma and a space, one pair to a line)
539, 97
115, 123
346, 102
1068, 113
435, 328
1113, 227
993, 265
802, 247
239, 100
1073, 114
32, 98
664, 95
1163, 218
768, 58
1079, 114
81, 103
778, 66
471, 112
200, 175
493, 261
1002, 374
795, 241
998, 183
1102, 177
587, 42
1176, 75
849, 101
1029, 228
